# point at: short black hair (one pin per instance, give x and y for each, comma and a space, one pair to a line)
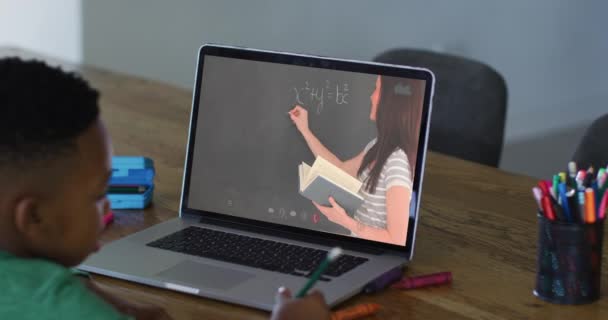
42, 111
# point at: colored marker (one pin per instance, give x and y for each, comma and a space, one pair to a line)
557, 209
603, 192
580, 178
543, 188
589, 206
601, 181
572, 169
385, 279
588, 177
573, 205
603, 204
555, 187
538, 196
424, 281
548, 208
571, 180
564, 202
581, 206
600, 174
332, 255
597, 194
562, 177
357, 312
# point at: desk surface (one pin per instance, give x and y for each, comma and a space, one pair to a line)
476, 221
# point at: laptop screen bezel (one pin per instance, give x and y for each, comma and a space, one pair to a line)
324, 63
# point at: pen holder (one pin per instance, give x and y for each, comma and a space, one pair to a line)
569, 261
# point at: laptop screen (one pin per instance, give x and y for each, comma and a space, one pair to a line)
269, 138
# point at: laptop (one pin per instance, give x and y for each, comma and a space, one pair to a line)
244, 229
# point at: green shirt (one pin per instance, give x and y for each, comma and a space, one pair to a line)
40, 290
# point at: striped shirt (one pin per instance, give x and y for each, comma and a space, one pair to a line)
396, 172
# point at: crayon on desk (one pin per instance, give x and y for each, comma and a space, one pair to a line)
384, 280
356, 312
424, 281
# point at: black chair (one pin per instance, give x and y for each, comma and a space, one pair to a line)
593, 148
469, 107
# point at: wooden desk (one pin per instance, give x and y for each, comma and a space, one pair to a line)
476, 221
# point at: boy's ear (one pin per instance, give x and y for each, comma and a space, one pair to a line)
27, 216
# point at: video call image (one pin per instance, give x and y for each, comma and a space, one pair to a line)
274, 142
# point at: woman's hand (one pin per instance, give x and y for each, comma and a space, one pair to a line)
299, 116
336, 214
311, 307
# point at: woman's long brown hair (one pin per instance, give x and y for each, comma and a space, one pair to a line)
398, 125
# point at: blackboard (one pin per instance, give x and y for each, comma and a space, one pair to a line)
247, 149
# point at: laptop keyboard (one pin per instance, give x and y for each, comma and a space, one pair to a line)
254, 252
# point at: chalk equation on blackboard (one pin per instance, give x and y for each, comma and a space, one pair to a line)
317, 96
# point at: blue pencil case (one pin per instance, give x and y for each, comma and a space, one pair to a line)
132, 171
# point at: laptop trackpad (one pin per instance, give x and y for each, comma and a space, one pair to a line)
204, 275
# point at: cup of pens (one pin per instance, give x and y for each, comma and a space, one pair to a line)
572, 210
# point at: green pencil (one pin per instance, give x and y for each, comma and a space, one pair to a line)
331, 256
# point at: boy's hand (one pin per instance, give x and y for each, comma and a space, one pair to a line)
311, 307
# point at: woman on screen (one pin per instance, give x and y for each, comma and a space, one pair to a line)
383, 165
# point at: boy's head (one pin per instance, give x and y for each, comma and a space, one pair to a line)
55, 163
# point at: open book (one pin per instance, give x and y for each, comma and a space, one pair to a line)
324, 179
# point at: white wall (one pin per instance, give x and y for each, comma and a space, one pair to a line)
53, 28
